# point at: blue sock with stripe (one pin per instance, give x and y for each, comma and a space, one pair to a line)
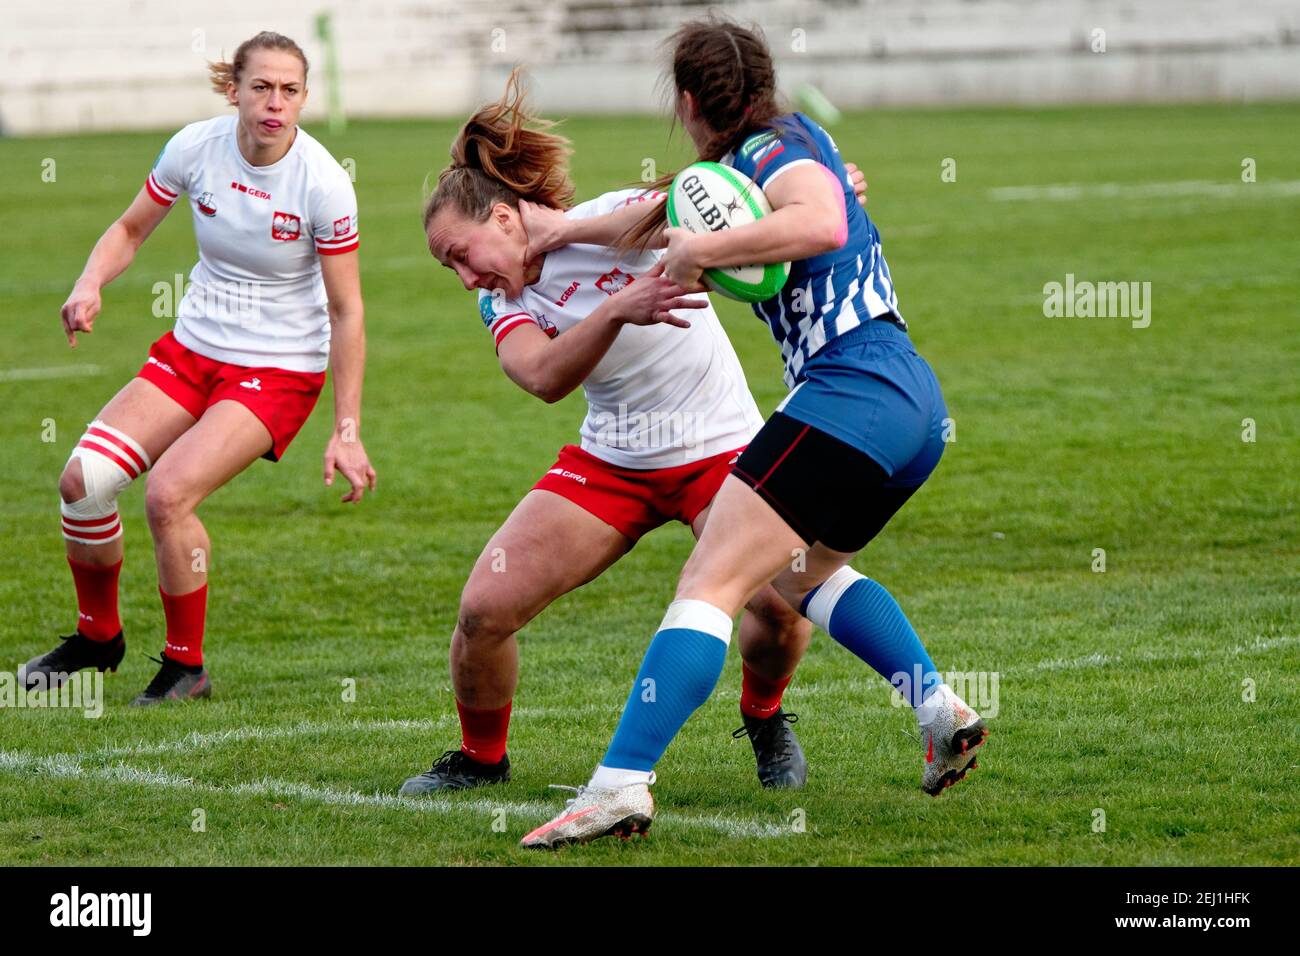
864, 617
680, 669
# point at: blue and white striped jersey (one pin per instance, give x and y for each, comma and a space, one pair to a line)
836, 291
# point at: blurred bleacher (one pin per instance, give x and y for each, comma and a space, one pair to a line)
105, 64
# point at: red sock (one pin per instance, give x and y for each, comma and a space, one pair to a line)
96, 586
483, 732
760, 697
185, 614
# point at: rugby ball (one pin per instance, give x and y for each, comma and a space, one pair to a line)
707, 197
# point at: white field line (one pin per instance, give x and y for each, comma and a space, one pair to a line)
1069, 192
198, 740
56, 371
68, 766
870, 684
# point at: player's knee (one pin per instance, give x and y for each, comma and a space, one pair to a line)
104, 462
485, 617
165, 500
72, 485
777, 615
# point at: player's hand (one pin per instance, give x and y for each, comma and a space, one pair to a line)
545, 227
79, 312
679, 261
652, 297
859, 182
346, 454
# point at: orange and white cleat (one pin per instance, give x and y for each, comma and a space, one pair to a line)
950, 734
594, 813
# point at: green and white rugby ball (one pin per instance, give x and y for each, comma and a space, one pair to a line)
707, 197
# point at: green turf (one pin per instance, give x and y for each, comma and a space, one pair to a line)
1120, 691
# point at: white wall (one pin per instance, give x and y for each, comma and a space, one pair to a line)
108, 64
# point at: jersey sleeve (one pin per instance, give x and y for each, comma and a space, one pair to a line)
502, 315
170, 175
765, 156
334, 224
609, 202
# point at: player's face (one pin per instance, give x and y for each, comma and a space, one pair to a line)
270, 95
484, 255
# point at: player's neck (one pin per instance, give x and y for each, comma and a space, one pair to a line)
261, 155
533, 270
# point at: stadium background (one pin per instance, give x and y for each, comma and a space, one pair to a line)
1146, 712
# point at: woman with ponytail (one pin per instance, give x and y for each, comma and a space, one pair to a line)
274, 300
668, 413
860, 431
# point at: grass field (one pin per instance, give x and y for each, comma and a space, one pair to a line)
1126, 691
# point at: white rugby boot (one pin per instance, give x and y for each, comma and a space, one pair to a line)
596, 812
950, 732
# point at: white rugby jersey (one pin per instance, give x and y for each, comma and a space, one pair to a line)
256, 296
661, 396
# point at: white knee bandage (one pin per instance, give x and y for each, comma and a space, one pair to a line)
110, 460
822, 605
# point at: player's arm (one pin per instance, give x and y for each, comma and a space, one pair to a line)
342, 276
112, 254
552, 368
549, 228
807, 220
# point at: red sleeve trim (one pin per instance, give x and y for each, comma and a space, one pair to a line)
157, 193
337, 250
508, 327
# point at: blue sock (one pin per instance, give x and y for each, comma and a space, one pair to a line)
679, 671
864, 617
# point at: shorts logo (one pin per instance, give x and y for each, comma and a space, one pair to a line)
255, 385
580, 479
613, 281
285, 226
342, 227
207, 204
162, 365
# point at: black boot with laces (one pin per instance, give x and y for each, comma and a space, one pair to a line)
781, 763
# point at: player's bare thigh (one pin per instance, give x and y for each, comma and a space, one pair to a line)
225, 441
546, 548
743, 546
767, 604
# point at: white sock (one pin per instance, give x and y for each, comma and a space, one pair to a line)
936, 698
609, 778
